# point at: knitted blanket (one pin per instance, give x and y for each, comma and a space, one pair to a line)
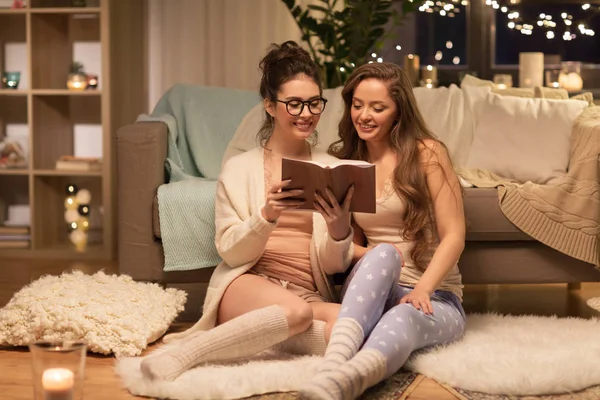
201, 121
564, 215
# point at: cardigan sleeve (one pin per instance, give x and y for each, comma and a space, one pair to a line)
241, 233
334, 255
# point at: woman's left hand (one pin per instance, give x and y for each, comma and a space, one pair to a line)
420, 299
336, 216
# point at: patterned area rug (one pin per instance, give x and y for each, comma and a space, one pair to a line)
397, 387
592, 393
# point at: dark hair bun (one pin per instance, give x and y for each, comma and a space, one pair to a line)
288, 51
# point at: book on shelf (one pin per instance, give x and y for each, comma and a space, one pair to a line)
312, 176
84, 164
6, 230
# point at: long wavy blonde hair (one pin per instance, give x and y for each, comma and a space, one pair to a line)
407, 137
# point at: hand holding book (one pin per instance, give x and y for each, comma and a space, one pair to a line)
279, 199
336, 216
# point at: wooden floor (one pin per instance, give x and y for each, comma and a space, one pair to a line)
101, 382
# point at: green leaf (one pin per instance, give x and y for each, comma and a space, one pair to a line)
296, 11
289, 3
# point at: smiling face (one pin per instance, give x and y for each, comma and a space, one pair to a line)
299, 88
373, 111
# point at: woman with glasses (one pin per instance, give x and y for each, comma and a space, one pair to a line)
273, 285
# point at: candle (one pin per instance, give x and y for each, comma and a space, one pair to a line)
572, 81
58, 384
531, 69
411, 67
429, 74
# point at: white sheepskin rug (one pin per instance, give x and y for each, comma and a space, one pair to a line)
508, 355
267, 372
594, 303
518, 355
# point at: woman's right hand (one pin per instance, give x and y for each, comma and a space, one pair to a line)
277, 201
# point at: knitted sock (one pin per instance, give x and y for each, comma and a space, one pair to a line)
346, 338
311, 341
350, 380
243, 336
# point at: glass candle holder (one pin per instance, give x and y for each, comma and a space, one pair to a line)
58, 370
503, 81
10, 80
552, 78
77, 82
570, 76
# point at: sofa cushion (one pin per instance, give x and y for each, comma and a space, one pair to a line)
484, 218
524, 139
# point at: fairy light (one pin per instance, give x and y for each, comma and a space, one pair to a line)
545, 21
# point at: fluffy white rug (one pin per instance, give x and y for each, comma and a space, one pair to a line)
524, 355
508, 355
268, 372
594, 303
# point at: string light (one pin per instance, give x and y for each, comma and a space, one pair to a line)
545, 21
445, 9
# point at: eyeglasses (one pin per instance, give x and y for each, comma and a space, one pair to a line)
295, 107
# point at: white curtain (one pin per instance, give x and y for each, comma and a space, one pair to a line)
213, 42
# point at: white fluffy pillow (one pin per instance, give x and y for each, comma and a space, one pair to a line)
112, 314
524, 139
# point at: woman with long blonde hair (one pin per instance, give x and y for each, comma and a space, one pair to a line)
419, 214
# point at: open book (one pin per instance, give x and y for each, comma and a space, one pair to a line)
312, 176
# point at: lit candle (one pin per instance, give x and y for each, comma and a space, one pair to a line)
58, 384
572, 81
411, 68
429, 74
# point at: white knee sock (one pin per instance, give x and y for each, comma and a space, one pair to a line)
346, 338
243, 336
349, 380
311, 341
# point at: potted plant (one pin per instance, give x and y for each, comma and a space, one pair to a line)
77, 79
341, 34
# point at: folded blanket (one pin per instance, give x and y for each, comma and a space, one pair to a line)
564, 215
201, 121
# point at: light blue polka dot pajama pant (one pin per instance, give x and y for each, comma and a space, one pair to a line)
370, 296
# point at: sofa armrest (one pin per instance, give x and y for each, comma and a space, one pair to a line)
141, 154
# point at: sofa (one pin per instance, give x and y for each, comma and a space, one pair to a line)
496, 251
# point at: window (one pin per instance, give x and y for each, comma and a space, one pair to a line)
551, 27
441, 33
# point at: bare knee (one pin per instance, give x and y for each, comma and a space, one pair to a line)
299, 315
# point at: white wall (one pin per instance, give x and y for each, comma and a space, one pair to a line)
212, 42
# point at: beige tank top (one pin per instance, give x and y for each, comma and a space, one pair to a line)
287, 253
386, 225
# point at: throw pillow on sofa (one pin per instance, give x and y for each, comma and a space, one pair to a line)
112, 314
524, 139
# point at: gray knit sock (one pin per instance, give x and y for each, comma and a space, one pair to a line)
346, 338
311, 341
348, 381
243, 336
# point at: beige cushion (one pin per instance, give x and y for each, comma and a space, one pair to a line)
524, 139
535, 92
112, 314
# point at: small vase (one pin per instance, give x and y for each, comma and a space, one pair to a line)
77, 82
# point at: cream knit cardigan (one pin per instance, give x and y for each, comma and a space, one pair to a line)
242, 233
